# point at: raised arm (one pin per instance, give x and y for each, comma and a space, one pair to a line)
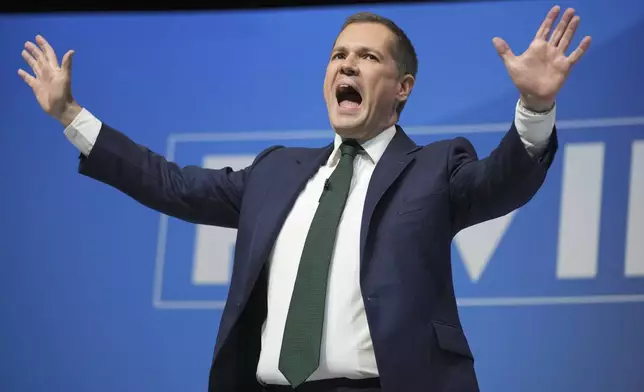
191, 193
483, 189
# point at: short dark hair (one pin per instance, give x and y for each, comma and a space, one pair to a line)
403, 50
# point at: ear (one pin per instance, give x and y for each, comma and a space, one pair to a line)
406, 85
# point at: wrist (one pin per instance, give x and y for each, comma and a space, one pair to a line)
69, 113
535, 105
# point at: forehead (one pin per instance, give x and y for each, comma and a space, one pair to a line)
365, 35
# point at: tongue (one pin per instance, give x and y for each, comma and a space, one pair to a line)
349, 104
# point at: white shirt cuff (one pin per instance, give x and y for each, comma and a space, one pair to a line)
534, 128
83, 131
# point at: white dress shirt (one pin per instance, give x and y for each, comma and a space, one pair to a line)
347, 349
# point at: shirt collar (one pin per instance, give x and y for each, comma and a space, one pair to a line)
373, 148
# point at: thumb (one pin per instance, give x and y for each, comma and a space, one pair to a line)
502, 48
67, 61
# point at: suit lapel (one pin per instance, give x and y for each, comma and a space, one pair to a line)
278, 202
285, 189
395, 159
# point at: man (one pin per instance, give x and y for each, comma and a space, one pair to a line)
342, 276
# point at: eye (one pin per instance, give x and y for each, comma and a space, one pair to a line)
337, 56
370, 57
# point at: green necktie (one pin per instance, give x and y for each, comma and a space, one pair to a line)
300, 353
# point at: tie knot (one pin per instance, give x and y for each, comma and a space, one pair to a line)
350, 147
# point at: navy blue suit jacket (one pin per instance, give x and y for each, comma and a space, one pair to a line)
419, 197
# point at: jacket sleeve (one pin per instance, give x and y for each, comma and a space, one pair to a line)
485, 189
191, 193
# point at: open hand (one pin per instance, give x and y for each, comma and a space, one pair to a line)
540, 71
51, 82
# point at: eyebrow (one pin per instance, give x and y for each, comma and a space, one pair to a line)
361, 49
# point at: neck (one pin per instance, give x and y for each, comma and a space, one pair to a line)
370, 135
365, 134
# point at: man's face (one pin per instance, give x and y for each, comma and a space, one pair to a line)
362, 87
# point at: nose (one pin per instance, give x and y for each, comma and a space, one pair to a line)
348, 69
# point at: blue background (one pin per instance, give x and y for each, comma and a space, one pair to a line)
77, 259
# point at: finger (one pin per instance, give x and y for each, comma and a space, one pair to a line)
67, 61
546, 25
30, 80
32, 62
579, 52
570, 31
35, 52
47, 50
503, 49
561, 26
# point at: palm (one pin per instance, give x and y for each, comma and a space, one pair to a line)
540, 71
52, 83
50, 88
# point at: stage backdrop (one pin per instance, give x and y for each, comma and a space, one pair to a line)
98, 293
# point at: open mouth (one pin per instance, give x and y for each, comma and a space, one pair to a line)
348, 97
